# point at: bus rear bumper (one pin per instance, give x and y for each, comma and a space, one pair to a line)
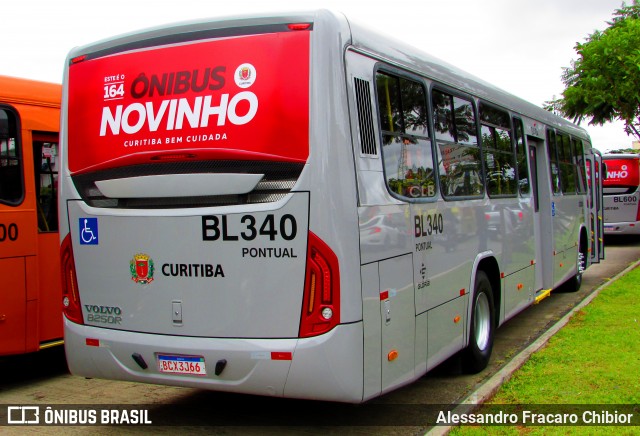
328, 367
625, 228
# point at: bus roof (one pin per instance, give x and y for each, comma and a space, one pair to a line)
352, 34
621, 156
407, 56
32, 92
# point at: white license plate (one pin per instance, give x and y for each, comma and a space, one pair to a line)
181, 364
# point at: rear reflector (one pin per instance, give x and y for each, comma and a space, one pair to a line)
92, 342
281, 355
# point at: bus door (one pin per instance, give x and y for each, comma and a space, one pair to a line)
596, 222
537, 225
45, 166
18, 242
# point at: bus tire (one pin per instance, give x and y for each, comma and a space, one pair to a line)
476, 355
576, 281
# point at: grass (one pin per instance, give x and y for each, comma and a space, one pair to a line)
593, 360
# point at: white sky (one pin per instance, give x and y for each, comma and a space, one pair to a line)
518, 45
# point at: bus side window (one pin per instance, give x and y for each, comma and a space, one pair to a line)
406, 147
11, 187
499, 158
578, 162
45, 156
521, 158
459, 163
553, 161
568, 168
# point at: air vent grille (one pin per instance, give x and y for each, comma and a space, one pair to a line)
365, 117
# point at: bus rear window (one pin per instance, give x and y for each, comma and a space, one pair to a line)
622, 173
222, 99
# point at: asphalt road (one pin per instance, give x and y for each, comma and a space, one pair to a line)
42, 379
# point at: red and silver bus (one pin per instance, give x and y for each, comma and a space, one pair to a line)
621, 194
296, 206
30, 311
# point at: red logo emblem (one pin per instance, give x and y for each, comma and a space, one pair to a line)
245, 73
141, 268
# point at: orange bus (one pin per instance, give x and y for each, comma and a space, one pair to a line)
30, 293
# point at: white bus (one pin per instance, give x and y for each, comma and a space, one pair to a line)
295, 206
621, 194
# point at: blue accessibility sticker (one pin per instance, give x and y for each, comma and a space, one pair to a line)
88, 231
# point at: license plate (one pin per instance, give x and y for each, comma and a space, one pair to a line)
181, 364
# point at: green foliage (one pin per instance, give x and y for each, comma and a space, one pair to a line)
604, 82
624, 151
564, 371
593, 360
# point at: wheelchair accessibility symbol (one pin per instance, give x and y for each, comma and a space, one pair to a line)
88, 231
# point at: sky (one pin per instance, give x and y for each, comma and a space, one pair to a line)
518, 45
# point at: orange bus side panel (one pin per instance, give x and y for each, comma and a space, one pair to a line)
29, 261
12, 306
50, 290
18, 229
31, 340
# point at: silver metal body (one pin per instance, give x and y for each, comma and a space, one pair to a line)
405, 293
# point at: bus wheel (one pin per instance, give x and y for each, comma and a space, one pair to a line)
476, 356
576, 281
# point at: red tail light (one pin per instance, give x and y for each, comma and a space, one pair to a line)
638, 212
78, 59
321, 301
299, 26
71, 306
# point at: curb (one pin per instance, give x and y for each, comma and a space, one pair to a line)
488, 389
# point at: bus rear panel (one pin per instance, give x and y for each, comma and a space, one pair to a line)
620, 191
190, 257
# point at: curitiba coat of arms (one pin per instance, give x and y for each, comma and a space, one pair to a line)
141, 267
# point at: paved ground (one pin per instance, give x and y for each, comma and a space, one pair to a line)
42, 379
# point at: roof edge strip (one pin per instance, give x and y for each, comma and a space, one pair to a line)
189, 36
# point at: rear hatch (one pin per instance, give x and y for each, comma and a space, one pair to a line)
185, 150
620, 189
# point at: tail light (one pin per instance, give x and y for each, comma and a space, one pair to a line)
299, 26
71, 306
321, 301
638, 212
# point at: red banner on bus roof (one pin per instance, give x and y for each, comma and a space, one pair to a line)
622, 173
235, 98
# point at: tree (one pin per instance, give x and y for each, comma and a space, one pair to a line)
604, 82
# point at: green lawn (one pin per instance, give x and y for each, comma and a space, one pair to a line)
594, 360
